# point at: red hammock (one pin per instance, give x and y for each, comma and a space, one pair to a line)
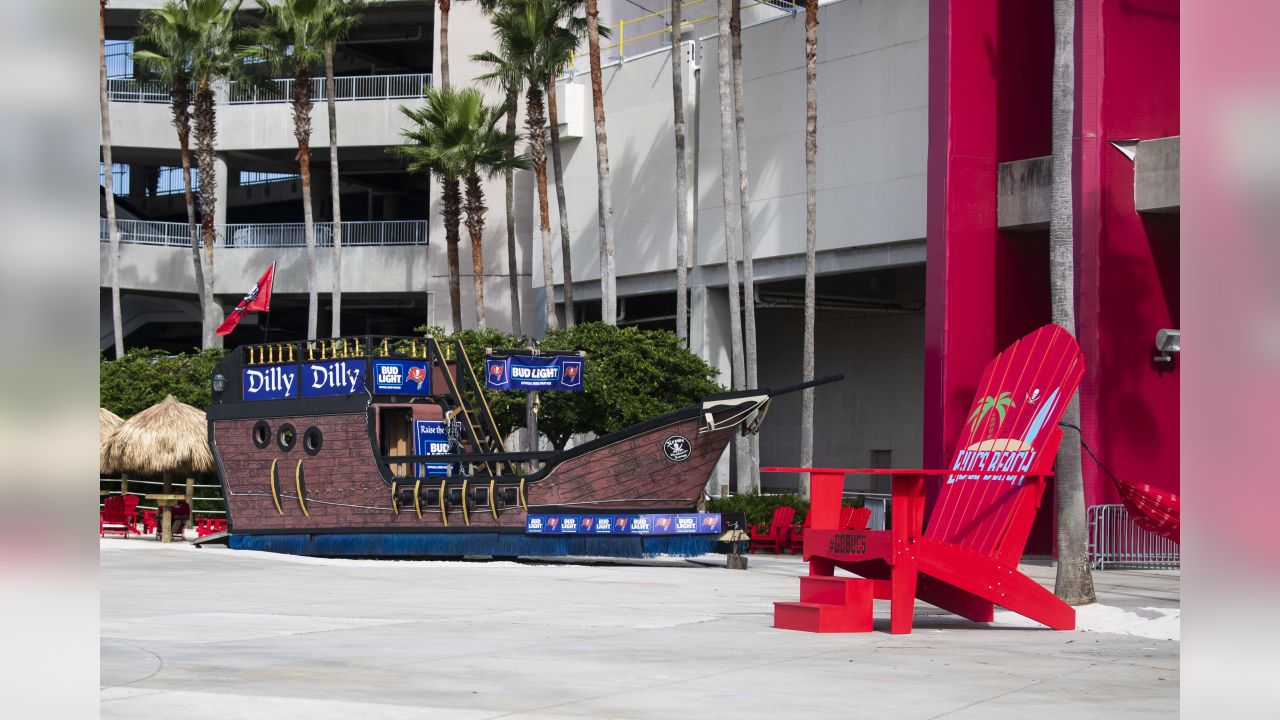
1153, 509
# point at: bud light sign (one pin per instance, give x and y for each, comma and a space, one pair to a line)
401, 377
528, 372
430, 438
665, 524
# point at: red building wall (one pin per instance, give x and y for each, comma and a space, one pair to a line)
989, 98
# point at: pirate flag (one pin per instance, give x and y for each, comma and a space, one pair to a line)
258, 299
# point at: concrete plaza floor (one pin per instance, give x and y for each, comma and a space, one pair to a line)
215, 633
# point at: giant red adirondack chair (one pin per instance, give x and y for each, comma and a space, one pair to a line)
965, 559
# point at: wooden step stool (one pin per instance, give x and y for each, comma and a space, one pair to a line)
827, 605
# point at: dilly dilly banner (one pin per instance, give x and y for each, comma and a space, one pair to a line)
528, 372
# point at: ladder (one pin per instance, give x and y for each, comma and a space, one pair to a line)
467, 403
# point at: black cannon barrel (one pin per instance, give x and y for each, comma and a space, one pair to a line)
806, 385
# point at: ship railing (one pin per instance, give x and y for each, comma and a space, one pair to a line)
361, 346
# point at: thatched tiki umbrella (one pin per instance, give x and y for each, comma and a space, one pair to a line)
166, 438
108, 422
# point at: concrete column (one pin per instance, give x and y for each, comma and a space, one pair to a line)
220, 190
709, 338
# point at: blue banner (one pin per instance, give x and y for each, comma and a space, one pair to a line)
527, 373
401, 377
643, 524
333, 377
430, 438
270, 383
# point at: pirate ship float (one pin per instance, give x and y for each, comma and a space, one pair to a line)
313, 443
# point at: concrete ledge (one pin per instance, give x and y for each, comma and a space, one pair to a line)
1023, 189
1156, 173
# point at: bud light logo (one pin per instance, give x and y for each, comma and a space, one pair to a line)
534, 525
686, 524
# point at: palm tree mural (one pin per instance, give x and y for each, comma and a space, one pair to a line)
292, 40
1000, 403
166, 43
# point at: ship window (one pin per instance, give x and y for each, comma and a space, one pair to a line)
287, 437
261, 434
312, 440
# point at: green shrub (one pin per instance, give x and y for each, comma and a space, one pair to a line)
631, 375
759, 508
143, 377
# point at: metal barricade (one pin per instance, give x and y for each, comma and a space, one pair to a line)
1115, 540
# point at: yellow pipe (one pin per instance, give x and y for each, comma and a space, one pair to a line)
302, 501
520, 495
493, 506
395, 501
466, 518
444, 514
417, 505
273, 479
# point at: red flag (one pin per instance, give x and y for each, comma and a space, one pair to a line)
258, 299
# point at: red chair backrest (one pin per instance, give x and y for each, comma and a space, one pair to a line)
130, 503
1012, 427
782, 518
855, 518
113, 508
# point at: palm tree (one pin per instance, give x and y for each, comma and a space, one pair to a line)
728, 158
510, 79
1074, 583
433, 136
608, 279
292, 39
682, 179
168, 42
530, 46
217, 56
1000, 403
486, 153
744, 197
575, 27
113, 237
340, 18
810, 230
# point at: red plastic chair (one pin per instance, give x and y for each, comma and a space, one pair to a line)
851, 518
776, 533
210, 526
150, 525
112, 517
131, 512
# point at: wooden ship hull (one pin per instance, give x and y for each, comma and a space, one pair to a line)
332, 475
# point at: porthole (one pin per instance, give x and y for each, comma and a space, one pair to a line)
261, 434
286, 437
312, 440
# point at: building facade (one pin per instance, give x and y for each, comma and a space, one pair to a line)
934, 132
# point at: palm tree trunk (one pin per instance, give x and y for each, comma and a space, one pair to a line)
182, 120
1074, 582
744, 197
206, 131
113, 236
180, 109
444, 48
608, 279
566, 251
450, 211
682, 178
335, 191
475, 228
728, 158
302, 131
810, 231
538, 154
513, 99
